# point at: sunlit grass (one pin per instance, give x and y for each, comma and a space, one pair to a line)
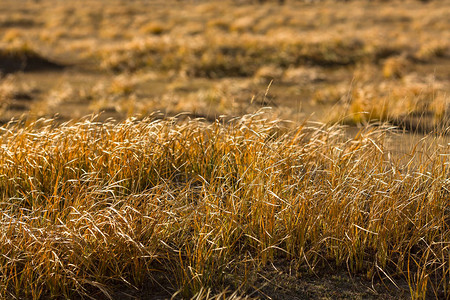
88, 207
201, 208
395, 47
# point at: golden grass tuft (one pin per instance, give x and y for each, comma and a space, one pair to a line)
155, 28
89, 207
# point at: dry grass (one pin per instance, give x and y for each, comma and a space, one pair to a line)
378, 46
90, 208
228, 207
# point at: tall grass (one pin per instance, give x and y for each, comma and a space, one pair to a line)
90, 208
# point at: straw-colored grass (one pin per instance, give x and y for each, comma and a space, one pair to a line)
371, 60
203, 209
90, 208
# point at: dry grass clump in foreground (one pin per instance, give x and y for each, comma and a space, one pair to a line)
88, 207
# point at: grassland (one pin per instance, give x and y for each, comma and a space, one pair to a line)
183, 183
92, 207
363, 60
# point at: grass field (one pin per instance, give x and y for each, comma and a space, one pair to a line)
241, 150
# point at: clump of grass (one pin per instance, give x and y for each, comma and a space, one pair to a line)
7, 90
122, 85
12, 35
433, 49
268, 73
395, 67
412, 104
90, 207
155, 28
227, 55
21, 55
